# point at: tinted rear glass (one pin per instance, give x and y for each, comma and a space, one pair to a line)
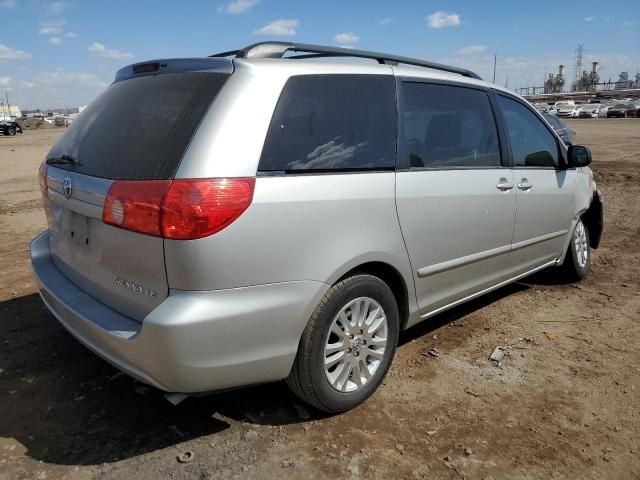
448, 126
333, 122
138, 129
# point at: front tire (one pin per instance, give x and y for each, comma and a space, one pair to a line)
12, 131
578, 258
347, 347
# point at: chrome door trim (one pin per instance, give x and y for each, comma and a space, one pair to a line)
487, 290
540, 239
494, 252
462, 261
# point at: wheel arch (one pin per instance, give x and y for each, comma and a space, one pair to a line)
392, 277
593, 219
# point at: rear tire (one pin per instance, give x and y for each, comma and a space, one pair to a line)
578, 258
347, 346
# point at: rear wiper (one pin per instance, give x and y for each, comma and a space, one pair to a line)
63, 159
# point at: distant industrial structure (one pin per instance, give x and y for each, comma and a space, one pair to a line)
587, 82
624, 83
584, 84
582, 81
588, 86
555, 82
52, 112
9, 112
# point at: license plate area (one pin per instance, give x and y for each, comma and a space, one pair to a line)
75, 227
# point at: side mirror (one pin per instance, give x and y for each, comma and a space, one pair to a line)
578, 156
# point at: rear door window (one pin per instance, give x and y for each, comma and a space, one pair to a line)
138, 129
332, 123
447, 126
532, 144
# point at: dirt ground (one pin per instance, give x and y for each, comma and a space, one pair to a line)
561, 405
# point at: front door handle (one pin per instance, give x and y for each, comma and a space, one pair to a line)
524, 185
504, 185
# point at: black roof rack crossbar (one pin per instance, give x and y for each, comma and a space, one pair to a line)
279, 49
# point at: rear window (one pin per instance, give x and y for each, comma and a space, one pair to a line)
332, 123
138, 129
447, 126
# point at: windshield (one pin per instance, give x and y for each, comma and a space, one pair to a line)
138, 129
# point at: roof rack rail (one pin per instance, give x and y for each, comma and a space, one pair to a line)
279, 49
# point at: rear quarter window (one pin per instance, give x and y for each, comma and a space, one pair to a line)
332, 123
138, 129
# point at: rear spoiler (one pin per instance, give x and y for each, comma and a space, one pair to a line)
175, 65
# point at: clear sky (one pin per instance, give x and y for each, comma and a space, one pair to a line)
63, 53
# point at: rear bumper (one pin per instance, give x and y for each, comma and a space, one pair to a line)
193, 341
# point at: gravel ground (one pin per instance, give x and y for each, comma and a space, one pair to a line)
565, 402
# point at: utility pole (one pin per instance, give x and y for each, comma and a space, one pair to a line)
495, 59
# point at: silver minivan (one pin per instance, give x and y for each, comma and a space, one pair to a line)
271, 213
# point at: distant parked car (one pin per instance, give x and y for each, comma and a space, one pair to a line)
566, 133
621, 110
566, 110
593, 110
10, 128
545, 108
541, 107
602, 113
61, 122
578, 109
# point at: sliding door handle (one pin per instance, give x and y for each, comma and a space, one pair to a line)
524, 185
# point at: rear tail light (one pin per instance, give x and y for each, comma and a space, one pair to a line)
199, 208
178, 209
42, 179
136, 205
